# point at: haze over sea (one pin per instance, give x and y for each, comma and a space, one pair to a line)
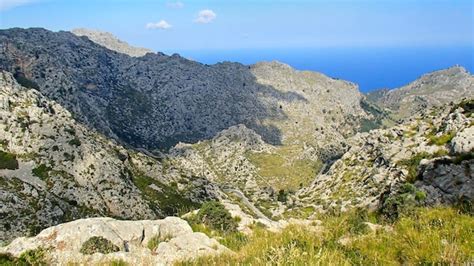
370, 68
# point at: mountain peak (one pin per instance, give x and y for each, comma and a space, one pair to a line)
111, 42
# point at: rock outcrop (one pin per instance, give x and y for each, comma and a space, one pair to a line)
147, 242
432, 150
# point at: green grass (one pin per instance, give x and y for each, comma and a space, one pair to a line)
428, 236
8, 161
282, 169
156, 240
441, 140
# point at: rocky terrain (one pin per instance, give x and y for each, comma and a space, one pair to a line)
89, 131
55, 170
433, 89
111, 42
156, 101
132, 241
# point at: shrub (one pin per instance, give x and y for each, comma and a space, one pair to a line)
8, 161
412, 165
98, 244
282, 196
403, 202
32, 257
443, 139
214, 215
42, 171
75, 142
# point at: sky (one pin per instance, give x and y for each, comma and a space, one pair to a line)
374, 43
230, 24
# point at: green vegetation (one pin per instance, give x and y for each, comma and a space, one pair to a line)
166, 198
75, 142
98, 244
412, 165
8, 161
215, 216
233, 240
441, 140
437, 236
282, 169
156, 240
34, 257
42, 171
404, 202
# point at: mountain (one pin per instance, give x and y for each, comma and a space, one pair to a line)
156, 101
87, 131
111, 42
54, 170
433, 89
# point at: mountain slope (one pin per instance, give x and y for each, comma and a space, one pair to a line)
433, 89
156, 101
111, 42
53, 169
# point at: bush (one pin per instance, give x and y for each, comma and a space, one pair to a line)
8, 161
75, 142
32, 257
412, 165
214, 215
42, 171
98, 244
403, 202
443, 139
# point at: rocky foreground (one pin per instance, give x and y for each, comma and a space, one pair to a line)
146, 242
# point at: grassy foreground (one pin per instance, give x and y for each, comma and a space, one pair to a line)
426, 236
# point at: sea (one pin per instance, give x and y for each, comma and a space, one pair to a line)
370, 68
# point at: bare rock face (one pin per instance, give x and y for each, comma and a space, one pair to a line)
173, 238
111, 42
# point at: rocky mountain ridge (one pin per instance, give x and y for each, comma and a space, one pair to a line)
111, 42
87, 131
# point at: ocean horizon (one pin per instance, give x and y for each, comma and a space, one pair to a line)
369, 68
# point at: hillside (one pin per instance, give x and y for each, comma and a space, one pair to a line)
91, 127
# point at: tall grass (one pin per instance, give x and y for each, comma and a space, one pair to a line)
427, 236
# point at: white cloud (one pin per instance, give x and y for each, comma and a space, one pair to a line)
9, 4
176, 5
205, 16
162, 25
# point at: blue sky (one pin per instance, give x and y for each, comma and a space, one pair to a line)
230, 24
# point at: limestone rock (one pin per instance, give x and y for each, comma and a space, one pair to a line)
64, 242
